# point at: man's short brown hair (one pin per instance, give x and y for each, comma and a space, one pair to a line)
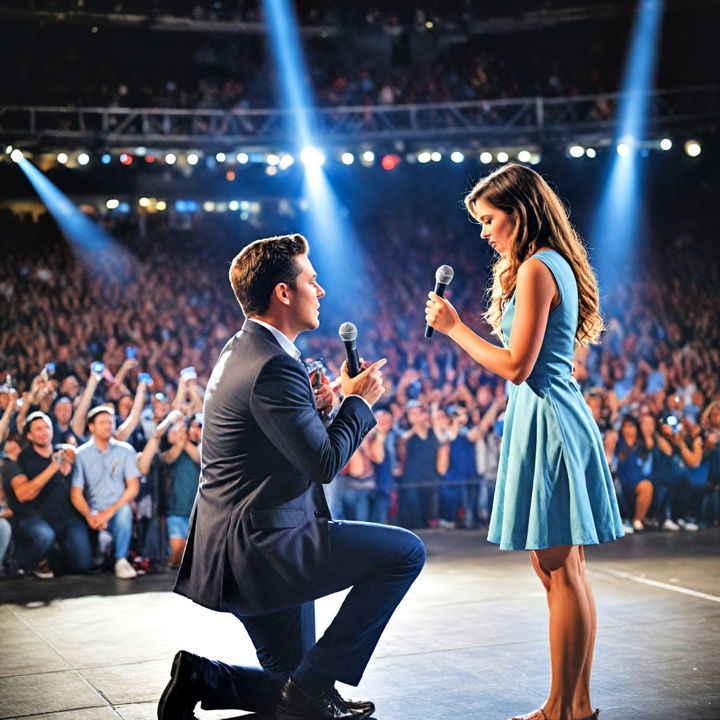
260, 266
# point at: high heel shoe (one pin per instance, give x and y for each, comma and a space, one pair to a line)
594, 716
538, 714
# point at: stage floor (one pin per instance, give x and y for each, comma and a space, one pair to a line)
469, 641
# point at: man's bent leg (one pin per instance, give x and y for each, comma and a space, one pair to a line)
380, 562
120, 527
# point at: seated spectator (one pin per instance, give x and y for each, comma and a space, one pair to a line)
105, 481
61, 416
37, 492
633, 470
182, 463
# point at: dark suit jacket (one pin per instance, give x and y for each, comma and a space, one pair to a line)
258, 537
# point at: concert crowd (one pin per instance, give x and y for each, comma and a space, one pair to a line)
155, 310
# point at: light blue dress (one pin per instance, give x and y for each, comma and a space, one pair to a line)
554, 486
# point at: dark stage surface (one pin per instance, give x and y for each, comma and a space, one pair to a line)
470, 640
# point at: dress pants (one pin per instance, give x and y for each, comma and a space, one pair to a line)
380, 563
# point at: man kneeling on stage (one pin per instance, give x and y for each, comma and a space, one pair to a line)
261, 542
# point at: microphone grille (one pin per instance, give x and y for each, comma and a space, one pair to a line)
347, 332
444, 274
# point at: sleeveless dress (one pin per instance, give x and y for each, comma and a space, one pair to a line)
554, 486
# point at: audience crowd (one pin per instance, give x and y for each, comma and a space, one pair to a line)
105, 355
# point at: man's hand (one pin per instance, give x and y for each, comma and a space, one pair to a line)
368, 384
324, 397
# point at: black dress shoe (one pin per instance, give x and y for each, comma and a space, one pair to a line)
183, 691
294, 704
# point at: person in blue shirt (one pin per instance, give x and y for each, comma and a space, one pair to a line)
633, 469
105, 481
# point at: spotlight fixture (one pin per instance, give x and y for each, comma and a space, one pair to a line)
390, 162
524, 156
170, 159
272, 159
83, 159
368, 157
665, 144
62, 158
347, 158
457, 156
234, 205
623, 149
192, 159
106, 158
112, 204
591, 152
502, 157
126, 159
424, 157
576, 151
486, 157
693, 148
286, 161
436, 156
220, 157
208, 206
16, 155
312, 157
243, 158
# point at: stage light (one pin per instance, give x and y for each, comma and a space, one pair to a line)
271, 170
220, 157
502, 156
486, 157
286, 161
390, 162
160, 205
143, 202
150, 159
126, 159
242, 158
623, 149
591, 152
244, 204
221, 207
8, 149
272, 159
429, 25
368, 157
311, 157
16, 155
576, 151
524, 156
170, 159
230, 175
106, 158
141, 151
208, 206
436, 156
83, 159
192, 159
424, 157
234, 205
112, 204
665, 144
534, 158
62, 158
457, 156
347, 158
693, 148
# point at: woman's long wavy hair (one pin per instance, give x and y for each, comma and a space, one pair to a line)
541, 220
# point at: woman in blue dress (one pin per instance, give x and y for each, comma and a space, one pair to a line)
554, 491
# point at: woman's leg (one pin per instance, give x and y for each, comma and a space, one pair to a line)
643, 499
582, 706
571, 621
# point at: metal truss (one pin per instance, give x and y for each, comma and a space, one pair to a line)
590, 118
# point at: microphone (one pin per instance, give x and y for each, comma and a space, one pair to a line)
443, 277
348, 334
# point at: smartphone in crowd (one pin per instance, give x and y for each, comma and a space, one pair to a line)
130, 352
98, 367
145, 378
188, 373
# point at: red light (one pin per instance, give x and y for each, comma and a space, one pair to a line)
390, 162
150, 158
126, 159
230, 175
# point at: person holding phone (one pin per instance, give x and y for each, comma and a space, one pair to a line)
554, 492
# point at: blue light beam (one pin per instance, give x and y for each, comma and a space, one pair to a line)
86, 238
618, 223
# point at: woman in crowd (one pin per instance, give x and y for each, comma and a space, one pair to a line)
554, 490
634, 461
